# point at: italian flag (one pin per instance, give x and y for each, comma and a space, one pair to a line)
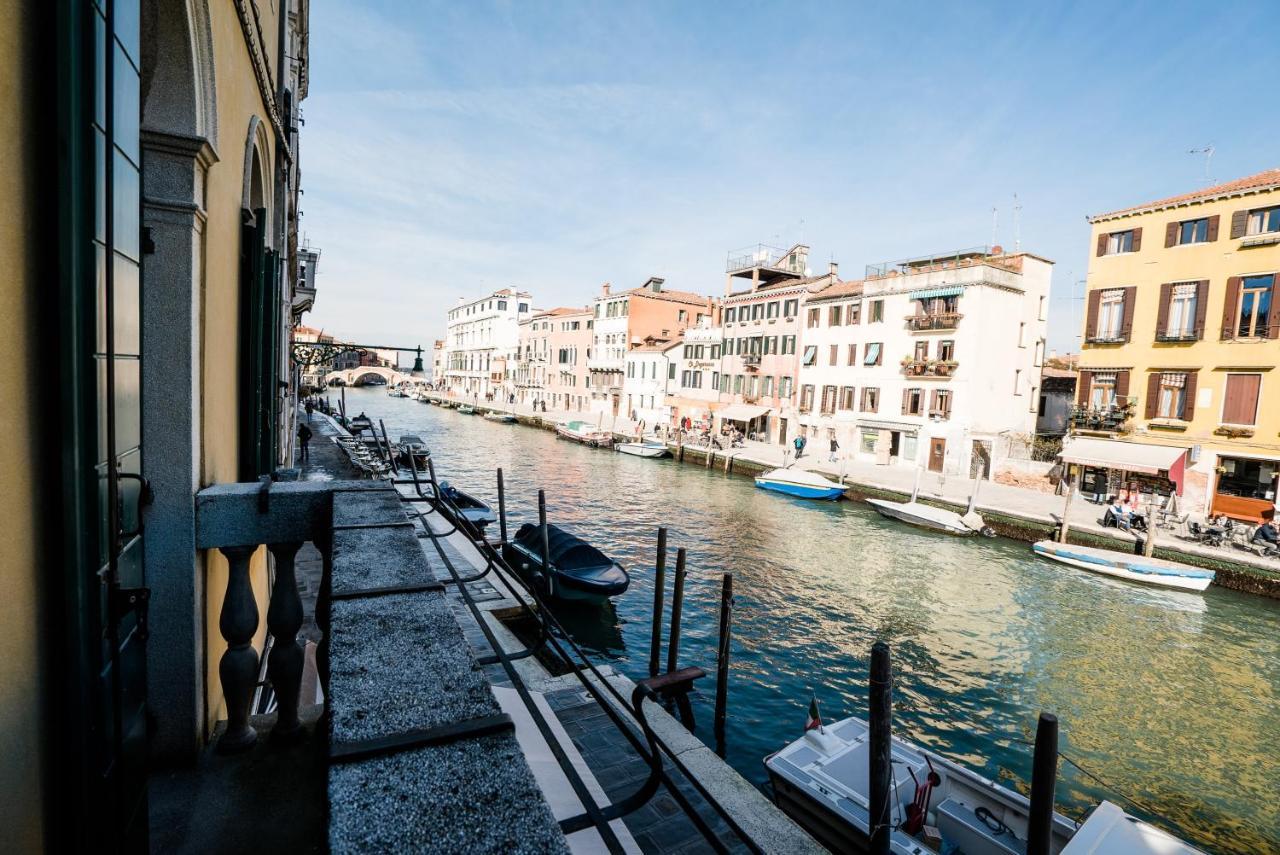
815, 717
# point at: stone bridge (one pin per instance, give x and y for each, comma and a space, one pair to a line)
353, 376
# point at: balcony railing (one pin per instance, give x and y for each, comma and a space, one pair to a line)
933, 321
751, 360
929, 367
1110, 419
1178, 335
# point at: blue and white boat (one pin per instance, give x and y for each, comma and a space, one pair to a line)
800, 483
1122, 565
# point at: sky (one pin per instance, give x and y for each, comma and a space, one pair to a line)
451, 149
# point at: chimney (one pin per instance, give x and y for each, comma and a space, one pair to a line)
604, 289
654, 284
833, 268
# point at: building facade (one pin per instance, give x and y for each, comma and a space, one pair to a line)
482, 341
693, 391
1182, 340
569, 347
648, 377
933, 361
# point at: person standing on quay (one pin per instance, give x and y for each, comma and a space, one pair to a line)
310, 407
304, 441
799, 444
835, 447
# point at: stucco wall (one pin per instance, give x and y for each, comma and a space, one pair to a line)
21, 663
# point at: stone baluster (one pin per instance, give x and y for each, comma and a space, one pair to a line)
238, 668
284, 664
324, 542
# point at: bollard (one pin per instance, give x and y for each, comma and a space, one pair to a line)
881, 738
659, 583
502, 509
677, 606
546, 539
1044, 771
722, 659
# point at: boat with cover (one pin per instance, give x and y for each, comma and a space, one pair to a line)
467, 408
822, 780
585, 433
500, 418
472, 509
359, 424
577, 571
914, 513
1122, 565
412, 451
644, 448
800, 483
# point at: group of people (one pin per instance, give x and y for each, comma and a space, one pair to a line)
801, 442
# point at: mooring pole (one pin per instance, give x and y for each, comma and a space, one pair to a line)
677, 606
502, 509
391, 458
1044, 772
343, 404
659, 584
1066, 508
881, 779
546, 539
722, 659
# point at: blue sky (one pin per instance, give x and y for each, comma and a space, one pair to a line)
453, 148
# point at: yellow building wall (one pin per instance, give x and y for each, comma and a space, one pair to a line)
1149, 267
239, 101
21, 663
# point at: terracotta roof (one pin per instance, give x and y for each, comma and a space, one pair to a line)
658, 346
785, 283
560, 310
1261, 181
1046, 371
838, 290
673, 296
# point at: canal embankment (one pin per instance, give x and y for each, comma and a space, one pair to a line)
1013, 512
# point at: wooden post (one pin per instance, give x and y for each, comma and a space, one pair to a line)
659, 586
881, 738
1044, 771
1149, 537
546, 540
1072, 474
722, 659
677, 607
502, 509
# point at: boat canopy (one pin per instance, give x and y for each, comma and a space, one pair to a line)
565, 550
1127, 456
742, 412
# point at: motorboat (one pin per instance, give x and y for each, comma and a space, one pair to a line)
644, 448
412, 451
822, 780
1124, 565
577, 571
500, 417
396, 392
472, 509
467, 409
585, 433
800, 483
360, 424
914, 513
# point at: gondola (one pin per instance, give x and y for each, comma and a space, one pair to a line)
473, 510
578, 571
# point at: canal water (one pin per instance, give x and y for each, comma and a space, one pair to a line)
1169, 698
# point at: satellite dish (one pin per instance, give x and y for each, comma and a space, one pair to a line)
808, 271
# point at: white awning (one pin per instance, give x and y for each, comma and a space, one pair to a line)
1128, 456
741, 412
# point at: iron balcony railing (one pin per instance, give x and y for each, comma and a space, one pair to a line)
760, 255
929, 367
933, 321
1110, 419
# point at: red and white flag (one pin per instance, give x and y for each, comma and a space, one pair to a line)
815, 717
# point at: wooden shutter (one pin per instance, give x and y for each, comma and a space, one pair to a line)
906, 396
1153, 394
1091, 315
1189, 397
1126, 322
1229, 305
1162, 311
1170, 234
1137, 239
1213, 227
1084, 385
933, 401
1102, 243
1241, 405
1239, 223
946, 411
1122, 384
1202, 307
1273, 319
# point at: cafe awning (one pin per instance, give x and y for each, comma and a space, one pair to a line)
1126, 456
741, 412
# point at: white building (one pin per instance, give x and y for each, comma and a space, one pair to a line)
482, 340
932, 361
648, 374
694, 388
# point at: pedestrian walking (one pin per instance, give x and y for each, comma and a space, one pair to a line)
835, 447
310, 407
304, 442
799, 444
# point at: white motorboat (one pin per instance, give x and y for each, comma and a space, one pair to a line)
914, 513
822, 781
800, 483
585, 433
644, 448
1125, 565
500, 418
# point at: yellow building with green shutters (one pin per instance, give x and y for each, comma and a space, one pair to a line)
1182, 341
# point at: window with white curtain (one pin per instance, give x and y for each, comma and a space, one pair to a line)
1182, 311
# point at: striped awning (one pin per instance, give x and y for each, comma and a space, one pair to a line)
931, 293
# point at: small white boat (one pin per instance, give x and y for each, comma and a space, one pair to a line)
1123, 565
467, 409
500, 418
937, 519
822, 781
585, 433
800, 483
644, 448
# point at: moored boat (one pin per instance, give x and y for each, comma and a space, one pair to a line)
800, 483
575, 571
472, 509
412, 451
500, 418
927, 516
822, 781
585, 433
1123, 565
467, 409
644, 448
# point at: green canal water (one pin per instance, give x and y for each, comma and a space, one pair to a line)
1168, 698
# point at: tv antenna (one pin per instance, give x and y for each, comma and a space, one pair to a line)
1017, 224
995, 223
1207, 151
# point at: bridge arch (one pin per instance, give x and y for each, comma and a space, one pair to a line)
350, 376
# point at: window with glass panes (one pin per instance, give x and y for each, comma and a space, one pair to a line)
1255, 306
1110, 313
1193, 231
1263, 221
1182, 310
846, 398
1171, 400
853, 355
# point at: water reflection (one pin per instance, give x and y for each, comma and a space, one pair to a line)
1169, 697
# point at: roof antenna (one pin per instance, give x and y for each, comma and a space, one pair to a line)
1207, 151
1017, 224
995, 222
